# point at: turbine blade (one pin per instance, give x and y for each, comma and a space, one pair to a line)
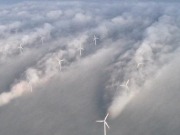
106, 116
107, 124
100, 121
139, 64
57, 59
127, 82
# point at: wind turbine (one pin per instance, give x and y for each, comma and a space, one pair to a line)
94, 39
30, 86
125, 85
60, 62
42, 40
139, 64
29, 83
80, 49
20, 47
105, 123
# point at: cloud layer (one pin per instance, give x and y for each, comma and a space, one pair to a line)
37, 98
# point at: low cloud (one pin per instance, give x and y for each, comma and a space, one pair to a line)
138, 42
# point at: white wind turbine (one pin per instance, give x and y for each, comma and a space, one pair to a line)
94, 39
80, 49
42, 40
30, 86
5, 50
125, 85
29, 83
60, 62
105, 123
20, 47
139, 64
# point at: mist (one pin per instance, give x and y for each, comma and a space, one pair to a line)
132, 72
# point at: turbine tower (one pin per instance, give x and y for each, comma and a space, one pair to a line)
105, 123
94, 39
